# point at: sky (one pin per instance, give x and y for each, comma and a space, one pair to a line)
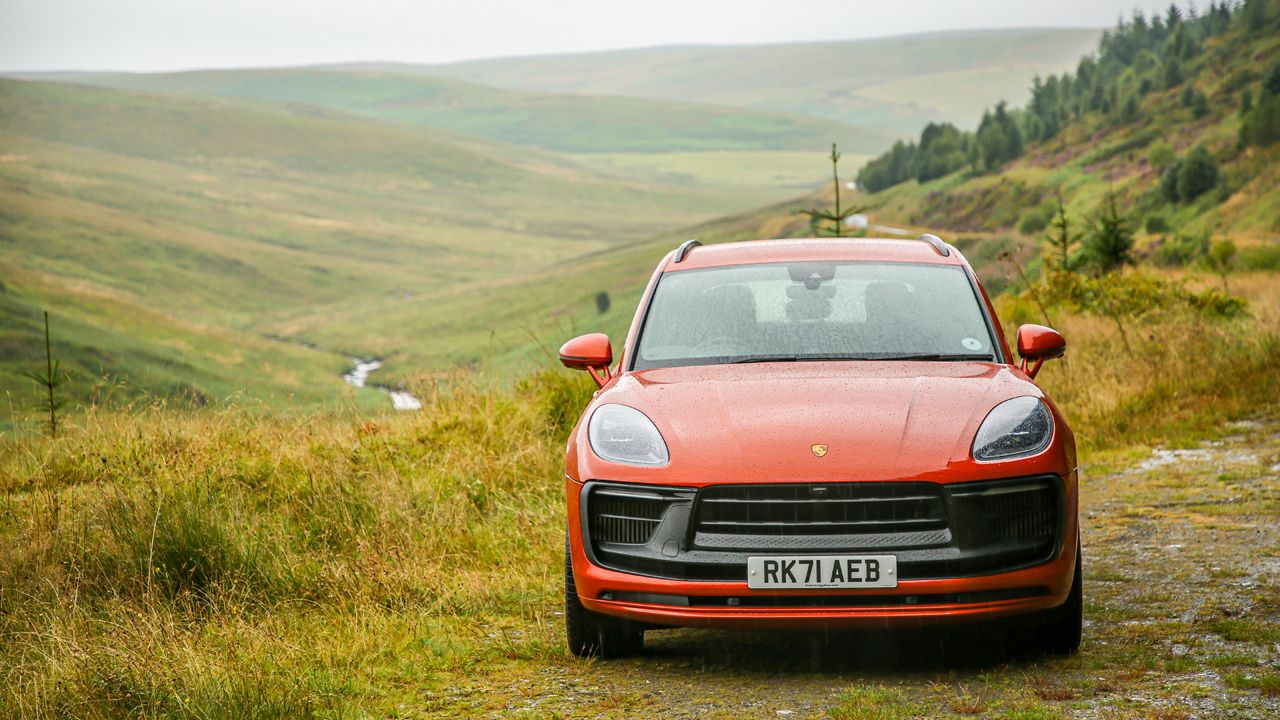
150, 35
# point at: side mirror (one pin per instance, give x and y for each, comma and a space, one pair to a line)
590, 352
1039, 343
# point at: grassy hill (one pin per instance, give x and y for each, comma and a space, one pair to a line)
895, 84
485, 255
174, 238
326, 563
985, 213
567, 123
1145, 112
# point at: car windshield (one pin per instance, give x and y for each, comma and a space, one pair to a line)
813, 311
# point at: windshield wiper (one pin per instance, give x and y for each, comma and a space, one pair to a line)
790, 358
940, 357
943, 357
771, 358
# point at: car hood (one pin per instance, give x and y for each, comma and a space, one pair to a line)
761, 422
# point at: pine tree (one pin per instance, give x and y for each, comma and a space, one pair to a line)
1061, 239
1109, 243
838, 217
50, 380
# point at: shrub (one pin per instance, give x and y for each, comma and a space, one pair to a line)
1136, 295
1222, 254
1259, 257
1190, 177
1035, 219
1175, 252
1261, 125
1200, 105
1169, 181
1129, 111
1161, 156
1199, 173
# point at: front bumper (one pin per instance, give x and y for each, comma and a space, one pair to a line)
940, 584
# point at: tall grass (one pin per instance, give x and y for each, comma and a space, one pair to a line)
226, 563
1182, 375
146, 561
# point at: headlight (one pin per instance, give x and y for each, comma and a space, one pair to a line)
625, 435
1014, 428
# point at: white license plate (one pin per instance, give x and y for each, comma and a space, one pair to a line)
783, 572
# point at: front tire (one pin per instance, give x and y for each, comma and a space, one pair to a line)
590, 634
1065, 623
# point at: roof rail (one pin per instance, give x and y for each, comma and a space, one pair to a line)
684, 249
942, 248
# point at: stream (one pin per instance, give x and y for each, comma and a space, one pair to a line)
359, 374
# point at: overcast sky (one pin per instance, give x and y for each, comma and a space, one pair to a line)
182, 34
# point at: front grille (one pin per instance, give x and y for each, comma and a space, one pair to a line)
850, 514
628, 515
935, 530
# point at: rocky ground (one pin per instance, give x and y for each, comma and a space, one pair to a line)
1182, 572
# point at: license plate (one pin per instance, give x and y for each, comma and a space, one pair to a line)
784, 572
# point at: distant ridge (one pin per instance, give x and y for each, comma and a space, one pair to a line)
896, 83
556, 121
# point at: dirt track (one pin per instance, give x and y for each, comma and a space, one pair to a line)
1182, 568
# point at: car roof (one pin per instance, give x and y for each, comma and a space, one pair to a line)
815, 250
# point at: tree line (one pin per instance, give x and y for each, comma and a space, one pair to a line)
1141, 55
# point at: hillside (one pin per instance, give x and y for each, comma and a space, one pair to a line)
173, 238
895, 84
1153, 96
253, 218
983, 212
566, 123
1130, 146
298, 549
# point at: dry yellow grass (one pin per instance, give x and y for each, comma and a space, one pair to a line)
231, 563
1181, 375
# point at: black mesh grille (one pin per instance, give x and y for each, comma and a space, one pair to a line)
810, 509
1012, 511
621, 515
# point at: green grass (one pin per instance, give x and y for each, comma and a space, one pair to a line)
874, 703
196, 248
168, 563
478, 274
566, 123
746, 171
1097, 155
292, 551
895, 84
1265, 681
224, 530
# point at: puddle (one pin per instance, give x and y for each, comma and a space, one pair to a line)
1161, 457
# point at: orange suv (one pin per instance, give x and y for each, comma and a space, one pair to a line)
818, 434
